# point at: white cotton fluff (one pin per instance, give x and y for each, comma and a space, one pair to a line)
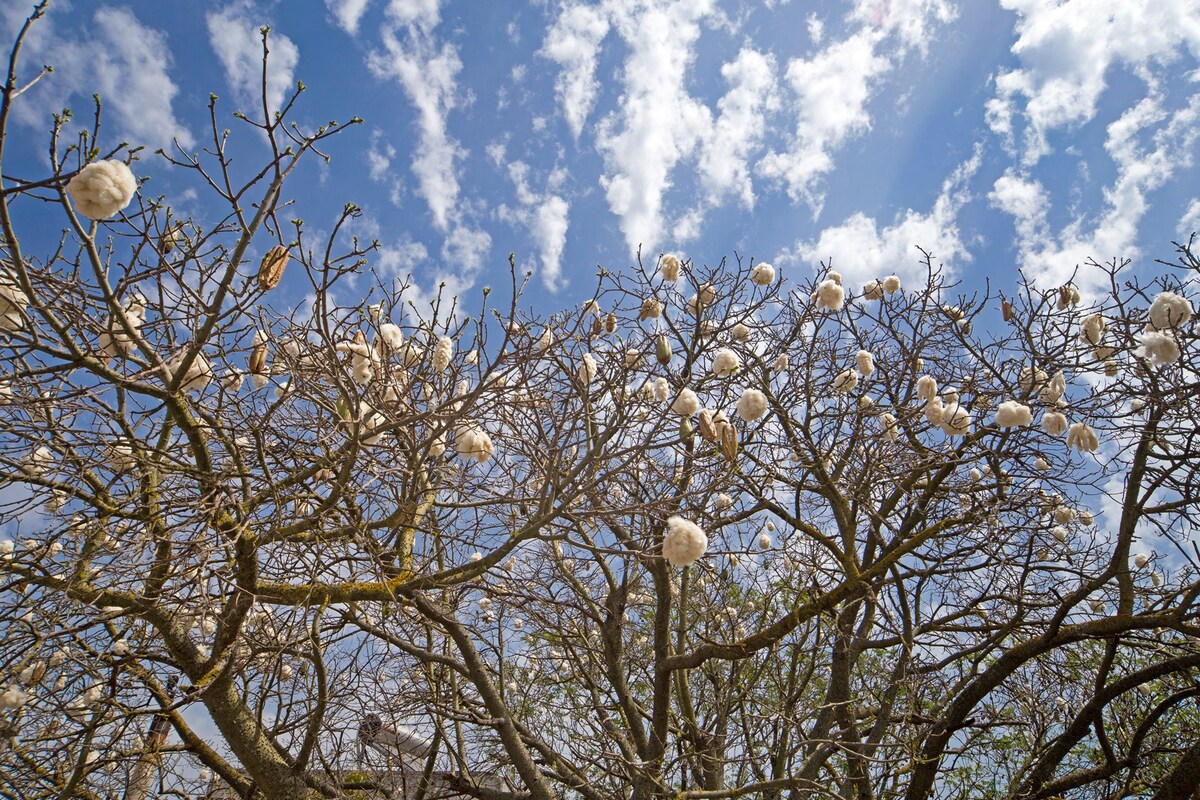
684, 543
956, 421
1011, 414
872, 291
1081, 437
199, 374
391, 338
780, 363
669, 268
1040, 463
662, 389
829, 295
934, 409
865, 363
845, 381
926, 388
587, 369
1086, 518
6, 549
443, 353
835, 276
1054, 423
1091, 330
13, 697
1054, 389
546, 339
1031, 378
1059, 533
1068, 296
891, 284
752, 405
762, 274
686, 404
1064, 514
1169, 310
740, 332
1160, 347
725, 363
723, 502
1141, 560
13, 301
890, 431
102, 188
115, 342
471, 441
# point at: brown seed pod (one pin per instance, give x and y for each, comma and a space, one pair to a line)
610, 323
258, 359
270, 272
729, 442
1007, 310
706, 426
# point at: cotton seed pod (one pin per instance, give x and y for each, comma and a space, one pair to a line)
685, 430
258, 359
846, 381
1006, 310
740, 332
705, 422
1111, 368
270, 271
171, 237
597, 327
729, 442
610, 323
1068, 296
651, 309
662, 350
872, 291
865, 363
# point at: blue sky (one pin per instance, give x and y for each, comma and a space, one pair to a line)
1000, 134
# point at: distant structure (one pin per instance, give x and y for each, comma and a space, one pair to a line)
394, 743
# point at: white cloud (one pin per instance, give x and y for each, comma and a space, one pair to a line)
420, 14
1066, 49
427, 74
348, 13
906, 20
861, 251
738, 130
832, 90
379, 156
1189, 223
1050, 258
127, 62
573, 42
401, 259
465, 250
545, 215
834, 87
234, 34
658, 122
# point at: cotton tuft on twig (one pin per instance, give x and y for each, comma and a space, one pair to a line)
829, 296
471, 441
686, 404
1011, 414
1054, 423
443, 352
587, 369
865, 363
1160, 347
891, 284
685, 542
1091, 330
1081, 437
752, 405
102, 188
669, 268
872, 291
762, 274
1169, 311
845, 381
725, 363
926, 388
